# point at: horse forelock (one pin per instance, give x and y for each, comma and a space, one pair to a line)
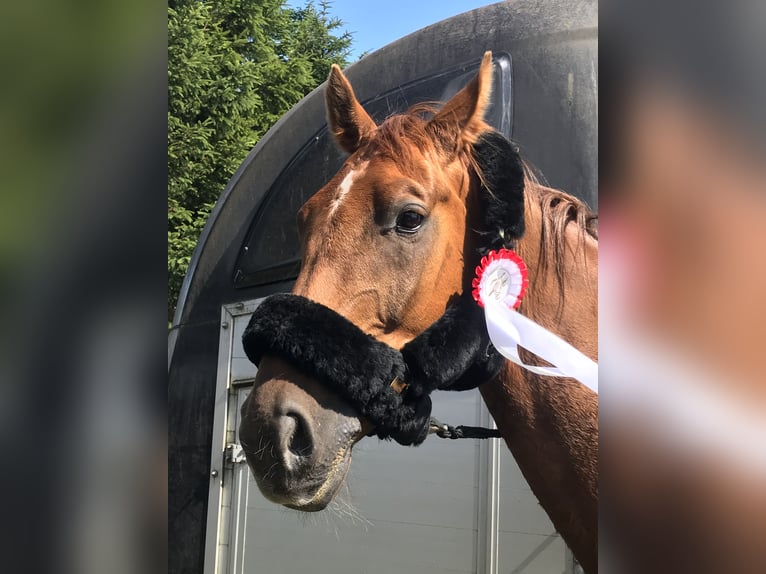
398, 139
402, 138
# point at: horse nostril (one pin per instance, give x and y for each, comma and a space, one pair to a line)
300, 443
296, 440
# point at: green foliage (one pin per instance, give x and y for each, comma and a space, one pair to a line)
234, 68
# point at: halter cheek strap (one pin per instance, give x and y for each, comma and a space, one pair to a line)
391, 389
398, 386
454, 353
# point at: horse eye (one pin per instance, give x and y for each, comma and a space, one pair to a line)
409, 221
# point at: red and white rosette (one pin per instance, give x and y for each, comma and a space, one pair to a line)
500, 283
501, 275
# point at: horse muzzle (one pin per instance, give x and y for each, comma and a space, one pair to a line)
297, 437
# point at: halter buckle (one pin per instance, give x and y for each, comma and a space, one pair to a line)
399, 386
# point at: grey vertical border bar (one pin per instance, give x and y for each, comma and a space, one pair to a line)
218, 533
215, 520
489, 499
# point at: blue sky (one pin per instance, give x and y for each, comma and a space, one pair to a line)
377, 23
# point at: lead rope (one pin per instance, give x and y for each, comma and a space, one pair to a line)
443, 430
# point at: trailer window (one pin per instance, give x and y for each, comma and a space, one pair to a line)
271, 251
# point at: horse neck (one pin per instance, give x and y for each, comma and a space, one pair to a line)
551, 425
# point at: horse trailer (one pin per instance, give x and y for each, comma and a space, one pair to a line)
445, 506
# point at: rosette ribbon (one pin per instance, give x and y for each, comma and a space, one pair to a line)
499, 286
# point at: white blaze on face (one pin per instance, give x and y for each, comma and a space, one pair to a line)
345, 187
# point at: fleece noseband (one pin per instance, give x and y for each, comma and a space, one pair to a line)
454, 353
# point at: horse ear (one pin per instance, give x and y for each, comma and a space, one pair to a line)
461, 120
501, 194
348, 121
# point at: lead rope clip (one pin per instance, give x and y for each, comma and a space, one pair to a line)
443, 430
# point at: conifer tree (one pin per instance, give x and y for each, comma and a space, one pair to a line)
234, 68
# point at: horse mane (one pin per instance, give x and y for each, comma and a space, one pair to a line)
558, 210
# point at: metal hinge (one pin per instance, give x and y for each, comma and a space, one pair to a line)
234, 454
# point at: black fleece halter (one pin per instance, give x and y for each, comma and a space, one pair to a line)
454, 353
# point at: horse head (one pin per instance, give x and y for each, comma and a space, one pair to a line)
388, 243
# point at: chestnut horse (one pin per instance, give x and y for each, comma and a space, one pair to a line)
388, 243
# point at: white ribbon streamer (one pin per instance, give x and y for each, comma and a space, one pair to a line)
508, 330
